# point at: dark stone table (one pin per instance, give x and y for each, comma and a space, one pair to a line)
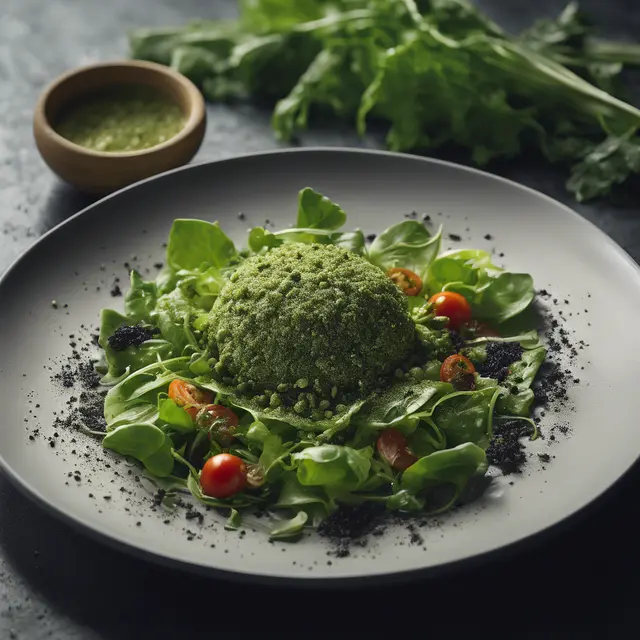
57, 583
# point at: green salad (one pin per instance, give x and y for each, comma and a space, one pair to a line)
312, 369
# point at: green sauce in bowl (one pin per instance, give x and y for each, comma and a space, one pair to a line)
122, 119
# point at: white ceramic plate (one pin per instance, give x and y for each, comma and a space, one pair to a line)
563, 252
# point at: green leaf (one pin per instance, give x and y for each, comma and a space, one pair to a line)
465, 416
404, 500
201, 286
608, 164
257, 432
140, 299
350, 240
132, 357
194, 242
451, 466
494, 294
401, 401
426, 439
160, 463
470, 267
508, 295
144, 412
294, 495
289, 529
136, 440
272, 452
407, 244
260, 238
177, 417
333, 466
518, 396
174, 315
330, 83
142, 387
316, 211
233, 521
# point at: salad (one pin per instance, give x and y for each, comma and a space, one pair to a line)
312, 370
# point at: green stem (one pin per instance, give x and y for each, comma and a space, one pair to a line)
607, 51
192, 469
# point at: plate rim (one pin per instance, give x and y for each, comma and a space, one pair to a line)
121, 544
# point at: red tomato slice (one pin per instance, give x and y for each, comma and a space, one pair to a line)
189, 396
459, 371
407, 281
392, 446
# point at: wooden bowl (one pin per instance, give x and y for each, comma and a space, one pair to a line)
99, 172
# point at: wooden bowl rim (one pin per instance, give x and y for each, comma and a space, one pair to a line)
196, 109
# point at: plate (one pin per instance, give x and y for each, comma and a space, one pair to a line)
76, 264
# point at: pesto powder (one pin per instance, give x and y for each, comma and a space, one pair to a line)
123, 119
311, 322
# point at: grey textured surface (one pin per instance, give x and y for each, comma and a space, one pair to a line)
57, 583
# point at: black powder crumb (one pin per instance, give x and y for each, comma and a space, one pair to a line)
499, 356
456, 340
426, 219
241, 216
505, 450
129, 336
414, 536
89, 410
544, 457
116, 291
193, 514
371, 237
350, 524
158, 265
455, 237
488, 236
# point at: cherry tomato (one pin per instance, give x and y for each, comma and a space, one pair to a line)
223, 476
453, 306
189, 396
220, 421
475, 329
407, 281
392, 446
459, 371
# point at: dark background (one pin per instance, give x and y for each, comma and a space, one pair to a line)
57, 583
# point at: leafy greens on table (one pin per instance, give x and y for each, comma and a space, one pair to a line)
302, 468
436, 71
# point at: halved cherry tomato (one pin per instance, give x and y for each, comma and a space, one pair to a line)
406, 280
223, 476
220, 421
453, 306
392, 446
459, 371
475, 329
189, 396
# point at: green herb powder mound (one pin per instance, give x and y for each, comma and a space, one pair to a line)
314, 317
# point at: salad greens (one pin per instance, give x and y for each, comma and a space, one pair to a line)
436, 72
411, 438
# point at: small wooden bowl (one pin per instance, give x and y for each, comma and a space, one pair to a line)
98, 172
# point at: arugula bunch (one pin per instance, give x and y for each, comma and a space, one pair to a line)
435, 71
